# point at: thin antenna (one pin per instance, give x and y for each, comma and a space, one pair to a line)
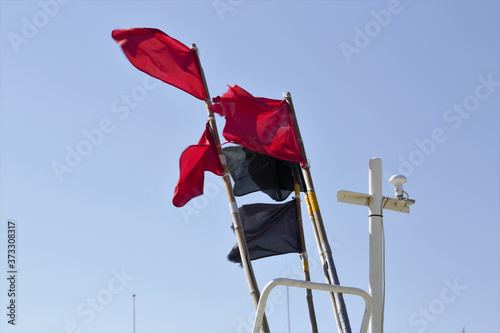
133, 301
288, 307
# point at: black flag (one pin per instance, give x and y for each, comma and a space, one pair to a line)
270, 229
252, 172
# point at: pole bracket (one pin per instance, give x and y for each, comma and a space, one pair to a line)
362, 199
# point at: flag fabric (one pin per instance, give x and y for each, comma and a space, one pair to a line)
260, 124
269, 229
252, 172
194, 161
163, 57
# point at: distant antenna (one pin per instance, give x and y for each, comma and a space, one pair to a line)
288, 307
133, 301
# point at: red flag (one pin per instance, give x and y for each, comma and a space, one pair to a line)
163, 57
194, 161
260, 124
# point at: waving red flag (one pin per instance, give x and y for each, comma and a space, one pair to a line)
194, 161
163, 57
260, 124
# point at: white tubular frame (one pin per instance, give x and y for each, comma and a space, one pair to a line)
316, 286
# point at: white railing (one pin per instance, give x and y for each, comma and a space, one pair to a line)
315, 286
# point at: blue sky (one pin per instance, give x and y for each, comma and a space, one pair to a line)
415, 83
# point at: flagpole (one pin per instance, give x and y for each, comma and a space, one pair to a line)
305, 262
322, 257
325, 250
233, 207
133, 301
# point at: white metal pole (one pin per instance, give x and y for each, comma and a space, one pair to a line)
376, 230
133, 301
315, 286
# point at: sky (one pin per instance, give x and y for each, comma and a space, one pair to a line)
90, 147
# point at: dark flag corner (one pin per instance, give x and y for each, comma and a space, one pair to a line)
269, 229
253, 171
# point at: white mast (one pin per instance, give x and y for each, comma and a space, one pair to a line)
376, 204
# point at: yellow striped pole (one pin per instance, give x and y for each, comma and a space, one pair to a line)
305, 262
331, 276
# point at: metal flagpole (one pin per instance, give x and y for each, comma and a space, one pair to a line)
343, 323
322, 257
233, 207
288, 307
133, 301
376, 204
305, 261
